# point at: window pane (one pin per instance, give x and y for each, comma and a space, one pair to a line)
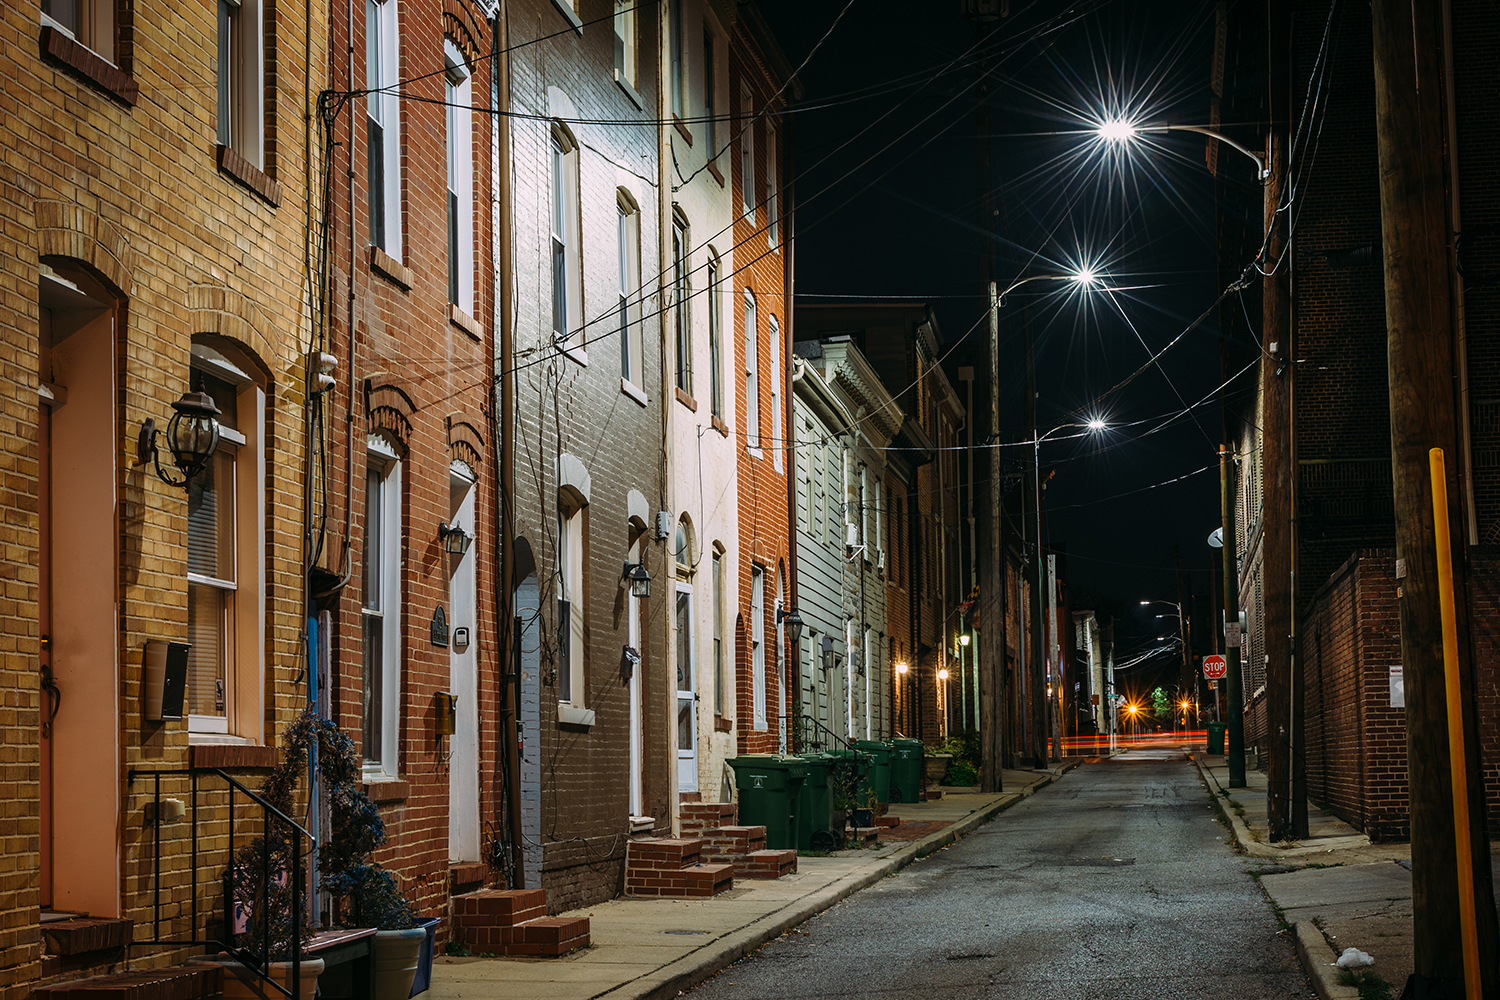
564, 651
374, 518
211, 518
374, 684
684, 641
206, 674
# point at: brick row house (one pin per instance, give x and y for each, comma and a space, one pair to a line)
1352, 735
157, 173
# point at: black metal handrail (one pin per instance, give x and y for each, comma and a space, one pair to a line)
258, 964
843, 743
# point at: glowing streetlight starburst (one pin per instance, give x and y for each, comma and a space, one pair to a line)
1097, 425
1116, 131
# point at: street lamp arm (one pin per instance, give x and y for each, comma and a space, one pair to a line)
1261, 172
1036, 277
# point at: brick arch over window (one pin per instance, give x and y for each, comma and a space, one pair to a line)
465, 25
224, 312
389, 408
66, 230
465, 441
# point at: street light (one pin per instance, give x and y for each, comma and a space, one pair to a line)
1117, 132
1083, 277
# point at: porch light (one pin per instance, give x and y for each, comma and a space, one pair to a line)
640, 580
963, 639
792, 622
900, 668
943, 674
192, 436
454, 538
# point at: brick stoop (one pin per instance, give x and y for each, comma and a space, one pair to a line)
189, 982
766, 864
515, 922
673, 866
886, 822
865, 836
700, 817
931, 795
78, 935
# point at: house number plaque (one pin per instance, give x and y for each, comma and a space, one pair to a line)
439, 627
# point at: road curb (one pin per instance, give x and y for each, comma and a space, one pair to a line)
689, 971
1318, 962
1237, 825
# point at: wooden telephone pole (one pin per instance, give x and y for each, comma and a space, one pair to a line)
1409, 122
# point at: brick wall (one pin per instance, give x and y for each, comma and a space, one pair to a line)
113, 174
566, 406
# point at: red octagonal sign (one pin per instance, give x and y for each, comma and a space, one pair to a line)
1215, 667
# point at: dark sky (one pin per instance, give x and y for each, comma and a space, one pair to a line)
888, 204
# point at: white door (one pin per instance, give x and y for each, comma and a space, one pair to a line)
687, 697
463, 760
633, 614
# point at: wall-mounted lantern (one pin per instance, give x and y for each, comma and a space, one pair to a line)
454, 538
792, 622
640, 580
192, 436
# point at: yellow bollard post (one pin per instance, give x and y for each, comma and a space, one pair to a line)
1457, 764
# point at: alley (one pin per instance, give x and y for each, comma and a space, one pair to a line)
1116, 883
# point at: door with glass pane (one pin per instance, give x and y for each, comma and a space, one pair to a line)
687, 697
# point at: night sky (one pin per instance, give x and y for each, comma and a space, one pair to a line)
888, 204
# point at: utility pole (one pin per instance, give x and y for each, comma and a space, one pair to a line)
1038, 686
1409, 124
1284, 742
1234, 712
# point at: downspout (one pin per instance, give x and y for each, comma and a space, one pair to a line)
663, 222
1460, 316
793, 672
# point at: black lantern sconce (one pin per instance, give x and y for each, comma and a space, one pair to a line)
192, 436
454, 538
640, 580
793, 623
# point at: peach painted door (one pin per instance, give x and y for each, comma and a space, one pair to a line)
49, 692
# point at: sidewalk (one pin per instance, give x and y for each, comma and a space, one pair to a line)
653, 948
1357, 895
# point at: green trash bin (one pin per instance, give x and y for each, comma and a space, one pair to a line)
815, 805
770, 787
880, 767
1216, 732
906, 769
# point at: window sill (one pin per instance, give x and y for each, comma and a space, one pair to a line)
719, 426
682, 129
722, 725
630, 92
390, 268
468, 324
636, 393
566, 10
572, 715
236, 167
715, 171
755, 452
382, 789
62, 50
685, 399
578, 354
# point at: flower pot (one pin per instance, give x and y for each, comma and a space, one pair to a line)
240, 983
864, 817
396, 954
936, 766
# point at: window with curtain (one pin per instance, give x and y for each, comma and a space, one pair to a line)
752, 375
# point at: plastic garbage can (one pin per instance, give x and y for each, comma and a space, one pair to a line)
906, 769
815, 805
769, 789
1216, 732
880, 767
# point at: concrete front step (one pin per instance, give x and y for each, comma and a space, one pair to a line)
195, 982
766, 864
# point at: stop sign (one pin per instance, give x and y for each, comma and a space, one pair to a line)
1214, 667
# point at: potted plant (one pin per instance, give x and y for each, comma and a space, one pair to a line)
935, 766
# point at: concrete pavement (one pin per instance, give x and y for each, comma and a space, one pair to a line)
645, 949
1358, 895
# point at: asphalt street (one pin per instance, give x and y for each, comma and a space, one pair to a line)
1116, 882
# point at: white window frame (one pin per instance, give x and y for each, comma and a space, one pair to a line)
572, 558
879, 525
715, 337
627, 40
747, 155
758, 646
382, 461
567, 242
241, 79
459, 90
687, 697
777, 445
676, 73
632, 345
772, 223
243, 624
682, 328
752, 376
383, 110
718, 630
710, 92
